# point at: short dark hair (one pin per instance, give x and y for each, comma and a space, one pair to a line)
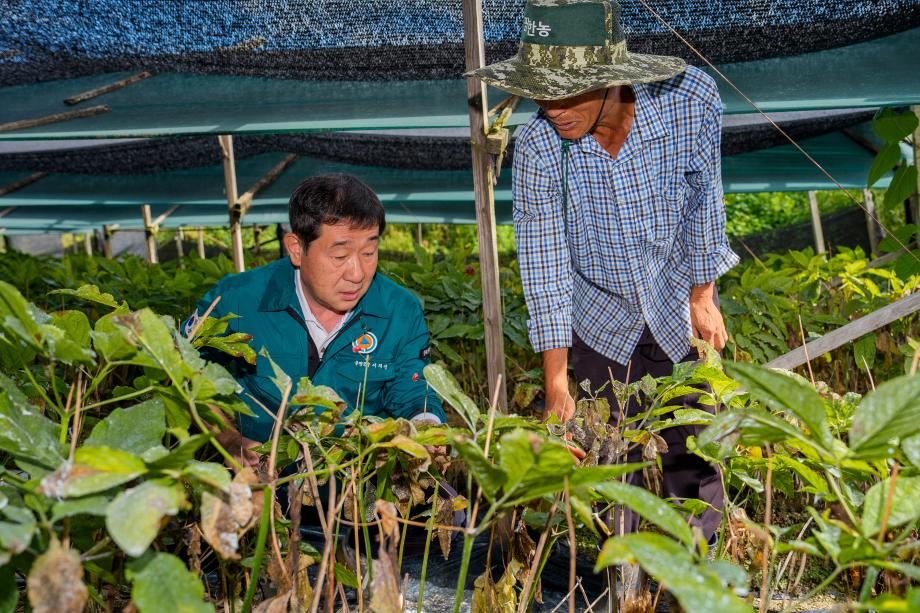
331, 199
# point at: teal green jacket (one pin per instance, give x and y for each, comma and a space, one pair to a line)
387, 324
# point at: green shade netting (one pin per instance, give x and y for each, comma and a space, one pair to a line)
62, 202
873, 73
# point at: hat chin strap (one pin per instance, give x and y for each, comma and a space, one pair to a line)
597, 119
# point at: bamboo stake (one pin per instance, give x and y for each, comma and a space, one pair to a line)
871, 226
816, 223
150, 234
485, 200
105, 89
236, 234
22, 124
201, 253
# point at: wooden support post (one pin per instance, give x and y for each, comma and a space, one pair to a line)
236, 230
150, 234
418, 234
485, 203
871, 227
915, 199
816, 223
88, 242
256, 237
180, 252
201, 253
107, 232
849, 333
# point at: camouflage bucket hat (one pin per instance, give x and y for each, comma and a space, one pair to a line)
569, 47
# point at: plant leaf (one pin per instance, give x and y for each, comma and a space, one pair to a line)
696, 587
55, 582
890, 411
444, 383
94, 469
893, 126
162, 584
649, 506
91, 293
24, 431
133, 429
785, 393
887, 158
133, 518
489, 476
905, 504
902, 186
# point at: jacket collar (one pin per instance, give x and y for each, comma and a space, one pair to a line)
280, 293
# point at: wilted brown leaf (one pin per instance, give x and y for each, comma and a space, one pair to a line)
282, 603
55, 583
386, 595
445, 517
489, 597
226, 517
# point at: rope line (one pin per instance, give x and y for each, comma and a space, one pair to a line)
785, 135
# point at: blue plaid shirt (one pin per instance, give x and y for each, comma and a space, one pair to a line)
637, 231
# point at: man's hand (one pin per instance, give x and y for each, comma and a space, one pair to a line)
705, 318
559, 403
556, 374
239, 447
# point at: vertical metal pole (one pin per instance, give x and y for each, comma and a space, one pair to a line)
816, 223
201, 243
236, 231
150, 235
485, 202
871, 226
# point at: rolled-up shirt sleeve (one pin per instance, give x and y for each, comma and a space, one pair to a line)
710, 255
543, 254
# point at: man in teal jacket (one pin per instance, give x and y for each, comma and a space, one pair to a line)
326, 313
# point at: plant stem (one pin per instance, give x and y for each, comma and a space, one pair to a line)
817, 589
765, 579
134, 394
428, 530
464, 569
260, 550
572, 551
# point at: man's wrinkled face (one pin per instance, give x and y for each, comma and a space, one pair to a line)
573, 117
337, 268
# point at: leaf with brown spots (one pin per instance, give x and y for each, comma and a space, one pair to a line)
55, 583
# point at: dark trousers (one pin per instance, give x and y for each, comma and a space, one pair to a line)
684, 475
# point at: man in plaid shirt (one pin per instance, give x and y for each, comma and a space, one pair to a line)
618, 214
